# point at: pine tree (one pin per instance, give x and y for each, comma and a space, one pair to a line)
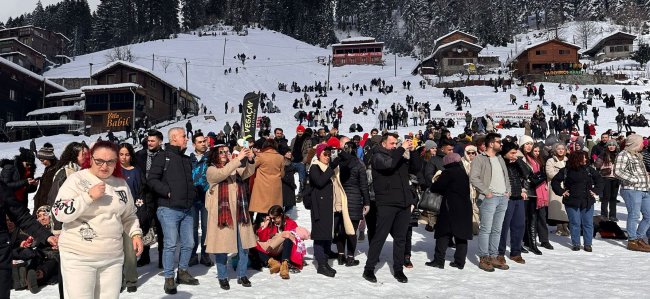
193, 12
102, 34
642, 55
38, 15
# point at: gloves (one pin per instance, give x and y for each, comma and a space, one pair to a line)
335, 163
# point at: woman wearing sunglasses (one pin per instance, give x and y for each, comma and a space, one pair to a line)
470, 153
96, 207
230, 229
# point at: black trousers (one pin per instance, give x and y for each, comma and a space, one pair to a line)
394, 221
407, 244
371, 220
538, 217
321, 250
442, 244
285, 255
6, 281
608, 201
342, 239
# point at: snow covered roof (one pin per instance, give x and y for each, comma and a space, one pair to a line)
599, 44
447, 45
29, 73
36, 27
537, 44
12, 54
109, 87
133, 66
21, 43
56, 110
43, 123
71, 92
358, 39
455, 31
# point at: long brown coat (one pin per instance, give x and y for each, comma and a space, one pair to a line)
224, 240
267, 189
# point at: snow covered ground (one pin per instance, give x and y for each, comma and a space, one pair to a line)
610, 271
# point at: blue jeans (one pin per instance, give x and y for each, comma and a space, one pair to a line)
637, 204
581, 219
513, 222
176, 225
300, 167
199, 208
221, 259
492, 211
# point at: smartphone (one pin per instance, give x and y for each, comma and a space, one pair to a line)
335, 153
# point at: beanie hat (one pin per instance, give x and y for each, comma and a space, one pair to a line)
319, 149
471, 148
525, 139
451, 158
300, 128
506, 147
429, 144
46, 152
611, 142
333, 142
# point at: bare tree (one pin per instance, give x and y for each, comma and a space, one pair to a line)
632, 16
120, 53
165, 63
585, 32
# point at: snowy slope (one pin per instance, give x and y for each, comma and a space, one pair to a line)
558, 273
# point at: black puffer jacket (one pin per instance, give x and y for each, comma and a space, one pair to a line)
170, 177
322, 206
355, 183
390, 174
516, 175
578, 182
12, 175
431, 167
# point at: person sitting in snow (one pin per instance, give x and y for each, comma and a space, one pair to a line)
280, 243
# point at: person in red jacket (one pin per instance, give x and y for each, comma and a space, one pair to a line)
279, 242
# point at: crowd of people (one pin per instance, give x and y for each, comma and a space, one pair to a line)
98, 209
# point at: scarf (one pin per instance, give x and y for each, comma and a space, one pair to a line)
541, 191
223, 204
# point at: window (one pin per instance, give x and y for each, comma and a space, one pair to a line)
10, 116
540, 52
12, 94
339, 51
110, 79
565, 52
455, 61
150, 103
97, 102
619, 48
133, 77
121, 101
153, 83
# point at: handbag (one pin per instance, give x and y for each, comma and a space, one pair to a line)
150, 238
537, 178
430, 202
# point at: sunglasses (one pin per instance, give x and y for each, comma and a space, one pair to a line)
327, 153
100, 162
224, 152
471, 153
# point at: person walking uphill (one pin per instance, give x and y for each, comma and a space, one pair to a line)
230, 228
328, 204
489, 176
170, 177
393, 197
633, 177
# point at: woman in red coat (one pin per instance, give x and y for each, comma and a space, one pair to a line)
279, 242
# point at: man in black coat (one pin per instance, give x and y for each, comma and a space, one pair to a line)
147, 212
390, 173
170, 177
19, 215
600, 147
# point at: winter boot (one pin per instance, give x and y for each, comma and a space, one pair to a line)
485, 264
274, 266
499, 262
407, 262
170, 286
284, 269
144, 258
351, 262
206, 260
19, 275
341, 259
184, 277
326, 270
194, 260
532, 235
644, 244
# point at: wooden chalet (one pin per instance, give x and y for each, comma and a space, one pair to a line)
550, 57
357, 50
122, 87
453, 53
51, 44
21, 91
21, 54
616, 45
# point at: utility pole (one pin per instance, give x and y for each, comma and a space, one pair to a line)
76, 40
329, 65
43, 104
395, 64
223, 58
153, 61
90, 78
187, 90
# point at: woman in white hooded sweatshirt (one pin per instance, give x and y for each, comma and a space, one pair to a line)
95, 207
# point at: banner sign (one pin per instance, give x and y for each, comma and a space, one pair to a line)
249, 115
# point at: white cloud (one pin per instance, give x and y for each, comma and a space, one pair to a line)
15, 8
